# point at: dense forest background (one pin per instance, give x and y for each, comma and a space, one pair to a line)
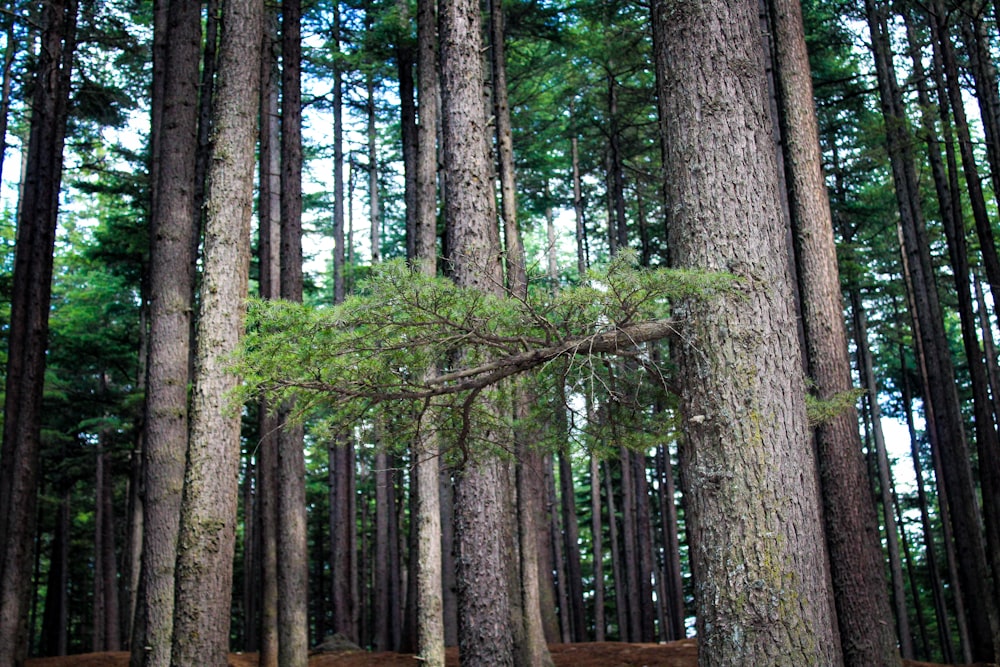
577, 115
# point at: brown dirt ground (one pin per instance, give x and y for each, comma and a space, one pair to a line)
603, 654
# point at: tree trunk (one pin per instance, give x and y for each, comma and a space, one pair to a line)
208, 515
55, 620
745, 425
987, 440
930, 546
485, 633
927, 316
851, 525
559, 568
598, 546
291, 536
29, 316
671, 545
269, 263
427, 566
618, 578
173, 231
339, 255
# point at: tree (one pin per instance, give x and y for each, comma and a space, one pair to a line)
173, 223
29, 320
745, 449
485, 634
207, 536
292, 554
856, 559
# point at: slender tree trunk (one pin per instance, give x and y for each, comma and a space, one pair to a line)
55, 620
291, 536
644, 544
671, 544
561, 588
208, 515
851, 525
618, 578
427, 567
269, 262
943, 397
571, 535
630, 557
987, 440
598, 546
745, 427
406, 60
338, 174
28, 331
930, 546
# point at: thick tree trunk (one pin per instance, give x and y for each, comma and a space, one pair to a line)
173, 234
208, 517
484, 614
745, 426
851, 525
28, 330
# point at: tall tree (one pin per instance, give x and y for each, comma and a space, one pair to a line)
745, 448
172, 240
473, 243
292, 553
928, 323
850, 522
269, 280
29, 321
207, 536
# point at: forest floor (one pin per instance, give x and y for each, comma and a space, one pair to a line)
683, 653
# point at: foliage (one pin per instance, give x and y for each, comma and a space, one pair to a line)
413, 343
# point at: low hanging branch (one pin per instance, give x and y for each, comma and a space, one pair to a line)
416, 341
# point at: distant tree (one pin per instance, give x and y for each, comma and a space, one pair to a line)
27, 340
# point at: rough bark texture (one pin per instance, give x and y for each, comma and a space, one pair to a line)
29, 324
173, 228
485, 632
746, 452
292, 553
430, 614
269, 243
208, 518
856, 559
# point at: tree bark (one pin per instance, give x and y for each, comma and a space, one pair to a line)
745, 425
484, 614
851, 525
291, 537
28, 329
208, 516
173, 231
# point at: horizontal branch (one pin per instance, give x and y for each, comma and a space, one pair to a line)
621, 340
